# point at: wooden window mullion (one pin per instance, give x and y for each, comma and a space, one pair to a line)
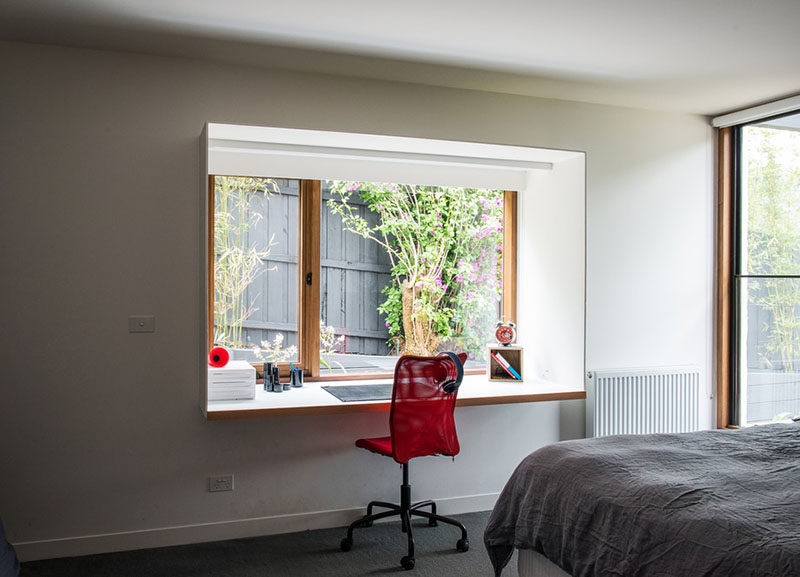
309, 270
510, 255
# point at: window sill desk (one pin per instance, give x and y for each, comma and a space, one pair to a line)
312, 399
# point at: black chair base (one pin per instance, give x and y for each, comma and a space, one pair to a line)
405, 510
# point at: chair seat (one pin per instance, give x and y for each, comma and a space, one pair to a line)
380, 445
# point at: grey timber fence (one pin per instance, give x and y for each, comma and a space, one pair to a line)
354, 272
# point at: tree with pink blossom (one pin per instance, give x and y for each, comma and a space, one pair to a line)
445, 247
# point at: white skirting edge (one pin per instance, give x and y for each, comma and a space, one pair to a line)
222, 530
533, 564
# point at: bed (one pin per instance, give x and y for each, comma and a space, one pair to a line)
710, 503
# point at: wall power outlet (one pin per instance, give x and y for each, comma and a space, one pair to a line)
221, 483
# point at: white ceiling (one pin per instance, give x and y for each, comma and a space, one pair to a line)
700, 56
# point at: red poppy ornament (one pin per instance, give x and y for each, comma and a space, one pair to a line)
218, 357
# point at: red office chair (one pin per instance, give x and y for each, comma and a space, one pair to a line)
421, 423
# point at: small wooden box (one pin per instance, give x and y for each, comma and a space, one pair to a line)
513, 355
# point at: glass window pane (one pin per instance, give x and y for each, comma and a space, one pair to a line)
770, 349
255, 267
770, 197
407, 270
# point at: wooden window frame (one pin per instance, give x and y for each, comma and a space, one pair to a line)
310, 272
729, 269
309, 269
725, 253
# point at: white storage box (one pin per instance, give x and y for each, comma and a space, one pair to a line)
236, 380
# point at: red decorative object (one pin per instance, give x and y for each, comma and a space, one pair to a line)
505, 333
218, 357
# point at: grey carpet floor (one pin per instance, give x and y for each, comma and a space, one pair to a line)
376, 551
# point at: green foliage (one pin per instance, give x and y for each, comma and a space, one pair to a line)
772, 159
238, 260
445, 246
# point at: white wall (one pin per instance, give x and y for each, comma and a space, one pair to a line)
551, 272
100, 430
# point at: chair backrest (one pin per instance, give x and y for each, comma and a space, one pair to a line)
421, 419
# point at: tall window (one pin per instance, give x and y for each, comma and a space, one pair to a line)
340, 277
766, 385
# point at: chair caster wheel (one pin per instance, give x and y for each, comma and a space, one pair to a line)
462, 545
407, 563
346, 544
432, 523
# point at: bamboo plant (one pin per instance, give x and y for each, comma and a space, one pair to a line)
238, 259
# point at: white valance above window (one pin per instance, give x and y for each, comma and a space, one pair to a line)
311, 154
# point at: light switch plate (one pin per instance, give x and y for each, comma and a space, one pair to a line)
221, 483
142, 324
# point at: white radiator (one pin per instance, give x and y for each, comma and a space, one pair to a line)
640, 401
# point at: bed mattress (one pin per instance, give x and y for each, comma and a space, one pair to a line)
533, 564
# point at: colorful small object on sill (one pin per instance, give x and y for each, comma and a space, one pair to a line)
505, 363
506, 366
218, 357
295, 376
505, 333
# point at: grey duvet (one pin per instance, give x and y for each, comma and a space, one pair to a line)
711, 503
